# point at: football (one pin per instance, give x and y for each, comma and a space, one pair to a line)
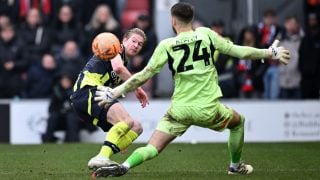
105, 46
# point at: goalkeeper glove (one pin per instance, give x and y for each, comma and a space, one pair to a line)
104, 96
279, 53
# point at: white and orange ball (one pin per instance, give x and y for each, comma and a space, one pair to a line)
105, 46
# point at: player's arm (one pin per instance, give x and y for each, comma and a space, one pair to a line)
274, 52
245, 52
135, 81
119, 68
158, 59
124, 74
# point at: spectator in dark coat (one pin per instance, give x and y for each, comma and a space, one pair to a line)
70, 59
4, 20
12, 64
309, 60
10, 8
43, 6
40, 78
249, 73
66, 28
61, 114
35, 35
102, 20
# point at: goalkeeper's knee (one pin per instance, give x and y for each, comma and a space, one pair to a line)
240, 124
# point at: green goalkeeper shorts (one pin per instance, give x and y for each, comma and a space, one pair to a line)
179, 118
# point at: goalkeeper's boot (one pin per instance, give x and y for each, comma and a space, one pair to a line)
112, 170
99, 161
242, 169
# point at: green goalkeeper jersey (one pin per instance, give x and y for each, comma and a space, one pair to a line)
190, 58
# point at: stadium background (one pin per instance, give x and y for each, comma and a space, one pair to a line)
282, 135
236, 15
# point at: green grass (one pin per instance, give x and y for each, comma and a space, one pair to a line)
179, 161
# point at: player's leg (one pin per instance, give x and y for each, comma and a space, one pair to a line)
222, 118
123, 132
158, 141
167, 130
235, 145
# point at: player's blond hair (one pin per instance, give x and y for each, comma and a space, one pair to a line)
135, 31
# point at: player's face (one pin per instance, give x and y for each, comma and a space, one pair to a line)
133, 44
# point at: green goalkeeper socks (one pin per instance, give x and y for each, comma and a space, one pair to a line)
235, 142
140, 155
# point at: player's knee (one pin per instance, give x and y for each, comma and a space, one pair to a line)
240, 123
129, 122
137, 127
237, 121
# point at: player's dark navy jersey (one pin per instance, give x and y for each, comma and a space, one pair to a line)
97, 72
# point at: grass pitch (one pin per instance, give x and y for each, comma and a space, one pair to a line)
179, 161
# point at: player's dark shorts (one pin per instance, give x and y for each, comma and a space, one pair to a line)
88, 109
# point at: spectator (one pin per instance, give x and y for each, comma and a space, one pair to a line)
13, 65
66, 28
309, 59
267, 31
225, 65
77, 7
249, 73
40, 78
35, 35
198, 23
70, 59
102, 20
289, 76
4, 21
61, 114
44, 8
10, 8
87, 9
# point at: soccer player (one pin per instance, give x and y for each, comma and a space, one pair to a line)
114, 119
196, 95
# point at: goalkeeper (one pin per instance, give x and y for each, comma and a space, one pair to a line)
195, 100
114, 119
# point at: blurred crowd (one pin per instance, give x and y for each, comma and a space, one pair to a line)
45, 43
268, 79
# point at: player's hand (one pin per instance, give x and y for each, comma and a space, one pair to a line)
142, 97
279, 53
104, 96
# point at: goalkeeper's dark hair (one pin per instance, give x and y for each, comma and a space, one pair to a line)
135, 31
183, 11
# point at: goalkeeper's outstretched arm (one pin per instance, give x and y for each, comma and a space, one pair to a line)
135, 81
274, 52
